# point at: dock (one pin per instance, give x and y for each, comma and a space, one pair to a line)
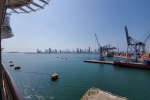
97, 94
97, 61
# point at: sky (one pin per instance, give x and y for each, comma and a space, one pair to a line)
72, 24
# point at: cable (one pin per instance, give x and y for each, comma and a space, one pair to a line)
146, 34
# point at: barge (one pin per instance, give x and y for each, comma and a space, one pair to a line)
140, 65
131, 64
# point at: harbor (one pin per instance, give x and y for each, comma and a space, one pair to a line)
73, 61
75, 77
135, 57
145, 64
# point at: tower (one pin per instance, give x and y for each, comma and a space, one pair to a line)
77, 50
37, 51
49, 50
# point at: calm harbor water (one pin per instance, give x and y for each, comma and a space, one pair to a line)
75, 77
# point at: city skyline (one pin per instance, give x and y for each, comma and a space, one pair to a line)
70, 24
78, 50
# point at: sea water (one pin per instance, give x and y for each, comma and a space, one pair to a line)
75, 77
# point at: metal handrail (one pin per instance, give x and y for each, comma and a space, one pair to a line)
10, 89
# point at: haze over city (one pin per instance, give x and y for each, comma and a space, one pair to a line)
72, 24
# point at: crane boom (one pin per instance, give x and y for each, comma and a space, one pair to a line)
100, 49
127, 36
97, 41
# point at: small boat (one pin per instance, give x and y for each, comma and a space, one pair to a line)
54, 76
17, 67
11, 64
61, 58
57, 57
10, 61
66, 58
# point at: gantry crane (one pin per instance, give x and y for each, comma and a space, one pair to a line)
108, 48
132, 45
100, 49
135, 45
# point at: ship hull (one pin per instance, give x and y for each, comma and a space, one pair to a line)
131, 65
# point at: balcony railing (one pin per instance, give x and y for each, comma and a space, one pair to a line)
9, 89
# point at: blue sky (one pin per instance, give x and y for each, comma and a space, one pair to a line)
71, 24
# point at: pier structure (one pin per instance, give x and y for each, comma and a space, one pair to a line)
97, 94
99, 61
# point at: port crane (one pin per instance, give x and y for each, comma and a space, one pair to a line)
108, 48
132, 45
100, 49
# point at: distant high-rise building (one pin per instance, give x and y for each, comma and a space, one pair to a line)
49, 50
46, 51
55, 50
80, 51
37, 51
77, 50
89, 50
40, 51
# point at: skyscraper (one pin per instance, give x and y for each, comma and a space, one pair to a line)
49, 50
77, 50
55, 50
37, 51
80, 51
89, 50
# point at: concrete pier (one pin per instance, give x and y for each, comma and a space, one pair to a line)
97, 61
97, 94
